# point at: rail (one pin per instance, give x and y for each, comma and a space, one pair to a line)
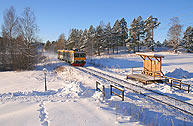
187, 110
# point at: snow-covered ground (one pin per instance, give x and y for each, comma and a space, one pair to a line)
71, 98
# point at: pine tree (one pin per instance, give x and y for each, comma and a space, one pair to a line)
150, 24
83, 40
99, 38
132, 41
123, 31
188, 39
165, 43
90, 40
61, 42
73, 39
108, 37
47, 45
136, 33
116, 35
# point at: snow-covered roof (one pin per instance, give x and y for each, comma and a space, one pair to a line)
150, 54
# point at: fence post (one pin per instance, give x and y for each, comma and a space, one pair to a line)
111, 89
171, 83
103, 92
96, 85
188, 88
180, 85
123, 95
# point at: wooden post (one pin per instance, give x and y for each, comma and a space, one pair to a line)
103, 92
45, 83
171, 83
111, 89
96, 85
180, 85
123, 95
188, 88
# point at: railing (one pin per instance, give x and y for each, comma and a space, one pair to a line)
101, 88
112, 92
132, 70
177, 83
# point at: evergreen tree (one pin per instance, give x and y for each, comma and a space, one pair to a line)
150, 24
83, 39
99, 38
108, 37
116, 35
73, 39
136, 33
132, 41
90, 40
61, 42
188, 39
123, 31
165, 43
47, 45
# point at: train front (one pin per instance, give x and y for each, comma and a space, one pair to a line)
79, 58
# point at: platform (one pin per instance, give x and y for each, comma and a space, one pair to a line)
146, 79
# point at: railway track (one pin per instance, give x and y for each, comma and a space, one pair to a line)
183, 106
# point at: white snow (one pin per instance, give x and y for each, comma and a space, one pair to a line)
150, 54
71, 98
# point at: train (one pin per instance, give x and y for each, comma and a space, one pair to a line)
74, 57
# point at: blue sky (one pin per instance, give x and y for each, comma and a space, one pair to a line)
59, 16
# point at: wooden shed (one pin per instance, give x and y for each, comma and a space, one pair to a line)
151, 71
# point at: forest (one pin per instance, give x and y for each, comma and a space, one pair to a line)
19, 41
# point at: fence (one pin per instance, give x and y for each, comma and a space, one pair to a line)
177, 83
99, 88
121, 96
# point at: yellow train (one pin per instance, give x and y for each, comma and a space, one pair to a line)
74, 57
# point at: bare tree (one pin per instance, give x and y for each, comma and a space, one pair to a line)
174, 33
9, 32
10, 23
27, 32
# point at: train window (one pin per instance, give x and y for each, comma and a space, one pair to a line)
82, 55
76, 54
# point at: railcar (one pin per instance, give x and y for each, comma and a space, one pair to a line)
74, 57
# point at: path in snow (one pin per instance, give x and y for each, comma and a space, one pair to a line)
43, 115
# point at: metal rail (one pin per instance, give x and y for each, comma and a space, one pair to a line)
88, 70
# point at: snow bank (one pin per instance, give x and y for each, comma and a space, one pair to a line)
180, 74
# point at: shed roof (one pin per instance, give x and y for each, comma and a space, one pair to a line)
150, 55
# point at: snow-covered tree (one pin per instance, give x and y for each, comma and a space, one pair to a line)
116, 35
90, 40
150, 24
136, 33
123, 31
165, 43
60, 44
132, 40
108, 37
188, 39
175, 33
83, 40
73, 39
99, 38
